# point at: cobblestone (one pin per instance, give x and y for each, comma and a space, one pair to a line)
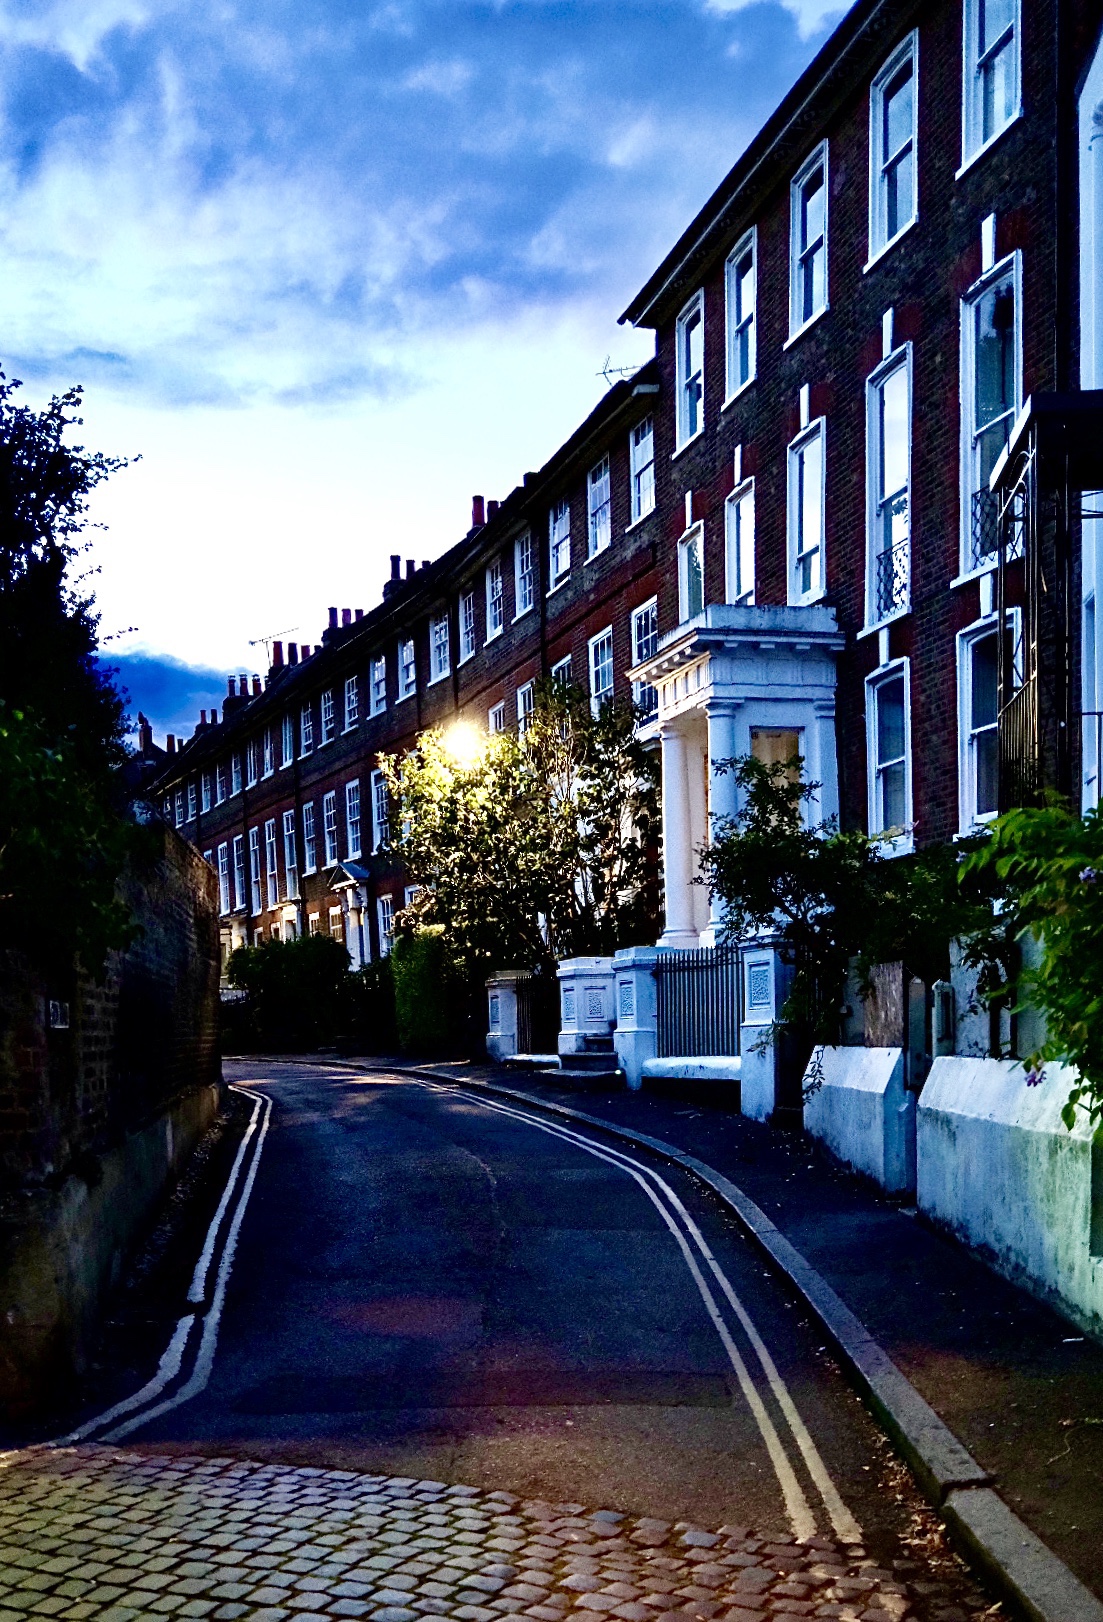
96, 1534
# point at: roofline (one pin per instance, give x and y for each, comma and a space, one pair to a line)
860, 31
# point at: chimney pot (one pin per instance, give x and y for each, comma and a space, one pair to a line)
202, 718
292, 653
243, 686
304, 650
359, 614
231, 687
214, 718
478, 512
411, 568
396, 566
425, 563
170, 744
277, 656
145, 735
256, 691
333, 619
346, 616
492, 509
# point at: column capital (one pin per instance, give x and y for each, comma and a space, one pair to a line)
722, 707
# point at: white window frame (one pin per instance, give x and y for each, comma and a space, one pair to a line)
379, 684
224, 880
600, 695
268, 753
467, 626
205, 791
969, 819
526, 705
235, 773
239, 872
220, 791
900, 359
736, 321
178, 808
407, 669
973, 140
352, 702
561, 671
879, 239
271, 863
352, 818
337, 924
287, 742
495, 600
739, 510
256, 890
193, 800
310, 839
693, 537
559, 542
816, 429
384, 916
290, 856
329, 719
306, 731
641, 469
496, 718
329, 828
440, 648
524, 575
644, 696
380, 812
251, 764
599, 508
687, 382
1011, 264
799, 323
904, 842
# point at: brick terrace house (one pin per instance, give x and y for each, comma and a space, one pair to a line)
283, 795
846, 334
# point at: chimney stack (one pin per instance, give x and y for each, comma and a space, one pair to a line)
145, 735
256, 691
492, 509
292, 653
346, 616
411, 568
333, 619
243, 686
170, 744
359, 614
202, 718
478, 512
425, 563
231, 687
304, 651
396, 566
214, 718
277, 656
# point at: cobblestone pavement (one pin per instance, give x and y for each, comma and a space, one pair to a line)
116, 1536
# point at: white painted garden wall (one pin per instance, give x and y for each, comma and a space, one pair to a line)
863, 1113
997, 1166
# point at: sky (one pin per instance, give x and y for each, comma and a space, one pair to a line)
329, 269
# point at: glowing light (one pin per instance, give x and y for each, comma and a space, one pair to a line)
464, 743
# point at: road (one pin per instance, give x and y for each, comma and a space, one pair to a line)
431, 1286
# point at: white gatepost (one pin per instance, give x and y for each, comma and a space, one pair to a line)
501, 996
765, 983
586, 1006
636, 1038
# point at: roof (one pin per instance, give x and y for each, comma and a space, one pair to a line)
851, 54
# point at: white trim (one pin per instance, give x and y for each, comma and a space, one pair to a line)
647, 422
1013, 263
816, 158
743, 490
695, 532
904, 843
969, 819
906, 51
693, 306
901, 357
598, 699
817, 429
973, 146
748, 242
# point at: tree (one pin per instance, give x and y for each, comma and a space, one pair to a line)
63, 798
526, 849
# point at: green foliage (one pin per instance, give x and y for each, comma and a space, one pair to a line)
63, 802
298, 992
832, 896
538, 847
1049, 864
423, 994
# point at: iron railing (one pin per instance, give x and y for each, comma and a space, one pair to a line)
986, 529
537, 1013
1020, 766
891, 583
698, 1002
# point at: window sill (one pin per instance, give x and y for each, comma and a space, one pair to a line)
875, 258
435, 681
686, 443
902, 846
346, 730
493, 637
982, 151
464, 659
738, 394
309, 872
642, 519
382, 710
325, 743
800, 331
285, 765
523, 612
881, 625
403, 697
967, 577
806, 602
593, 556
564, 580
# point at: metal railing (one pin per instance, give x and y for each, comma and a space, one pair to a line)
537, 1014
1020, 765
891, 582
698, 1002
986, 530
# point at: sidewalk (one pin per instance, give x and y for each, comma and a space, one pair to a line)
1017, 1383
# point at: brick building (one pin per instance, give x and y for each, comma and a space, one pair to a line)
783, 527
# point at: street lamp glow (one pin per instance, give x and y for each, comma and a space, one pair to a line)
464, 743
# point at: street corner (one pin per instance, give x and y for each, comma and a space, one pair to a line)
95, 1533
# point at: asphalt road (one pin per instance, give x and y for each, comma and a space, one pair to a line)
436, 1286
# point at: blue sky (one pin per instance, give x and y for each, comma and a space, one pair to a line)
333, 267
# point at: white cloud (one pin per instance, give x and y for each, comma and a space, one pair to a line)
810, 14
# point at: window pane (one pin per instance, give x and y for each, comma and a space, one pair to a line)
995, 17
995, 354
986, 746
812, 201
694, 578
890, 721
984, 682
897, 112
893, 806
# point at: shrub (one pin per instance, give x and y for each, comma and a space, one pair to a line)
424, 996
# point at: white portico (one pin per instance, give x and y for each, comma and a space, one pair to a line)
736, 680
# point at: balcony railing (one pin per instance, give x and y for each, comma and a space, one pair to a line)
1020, 779
986, 531
891, 579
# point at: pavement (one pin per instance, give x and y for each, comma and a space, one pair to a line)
1019, 1384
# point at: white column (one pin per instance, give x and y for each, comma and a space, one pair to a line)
723, 797
696, 777
677, 842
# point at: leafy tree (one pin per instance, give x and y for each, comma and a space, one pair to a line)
834, 899
1049, 864
536, 847
62, 724
298, 992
